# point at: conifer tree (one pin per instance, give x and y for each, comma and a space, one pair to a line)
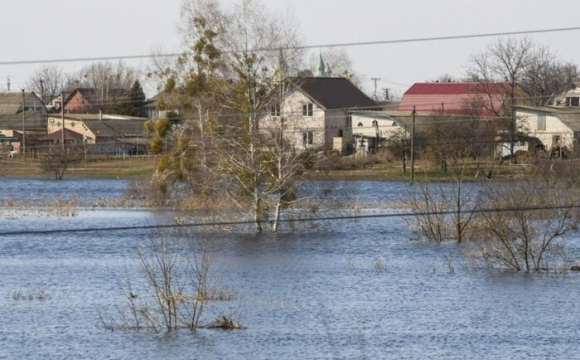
133, 103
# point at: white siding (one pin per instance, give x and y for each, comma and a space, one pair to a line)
554, 127
296, 124
387, 128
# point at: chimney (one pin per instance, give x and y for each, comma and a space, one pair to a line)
100, 115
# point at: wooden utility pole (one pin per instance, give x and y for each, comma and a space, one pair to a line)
42, 91
375, 81
62, 119
23, 125
413, 148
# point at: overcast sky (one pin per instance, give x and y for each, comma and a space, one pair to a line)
59, 29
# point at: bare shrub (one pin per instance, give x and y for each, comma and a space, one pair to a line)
58, 161
22, 295
177, 286
443, 211
528, 233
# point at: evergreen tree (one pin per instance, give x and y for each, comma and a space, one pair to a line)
133, 103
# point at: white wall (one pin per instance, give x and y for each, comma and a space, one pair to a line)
387, 128
296, 124
55, 124
529, 121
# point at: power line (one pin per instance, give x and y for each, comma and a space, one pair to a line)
302, 47
329, 218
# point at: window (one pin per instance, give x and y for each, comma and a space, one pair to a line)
572, 101
275, 110
307, 138
307, 109
542, 122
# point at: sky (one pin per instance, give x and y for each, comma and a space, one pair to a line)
58, 29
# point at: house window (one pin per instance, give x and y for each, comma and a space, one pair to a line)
275, 110
572, 101
307, 138
307, 109
542, 122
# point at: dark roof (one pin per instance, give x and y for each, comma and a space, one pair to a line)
333, 93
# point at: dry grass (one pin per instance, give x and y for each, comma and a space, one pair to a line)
20, 295
42, 207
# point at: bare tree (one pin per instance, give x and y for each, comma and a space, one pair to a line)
399, 143
532, 73
527, 232
504, 61
47, 81
547, 75
58, 161
443, 211
108, 81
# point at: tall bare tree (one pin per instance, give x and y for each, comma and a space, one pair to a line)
504, 61
47, 82
547, 75
532, 72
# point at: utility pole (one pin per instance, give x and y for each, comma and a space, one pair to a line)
23, 125
375, 81
413, 148
62, 120
386, 90
42, 91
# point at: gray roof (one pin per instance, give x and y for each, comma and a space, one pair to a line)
33, 120
117, 128
568, 115
11, 102
333, 93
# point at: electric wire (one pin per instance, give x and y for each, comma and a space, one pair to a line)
303, 47
249, 222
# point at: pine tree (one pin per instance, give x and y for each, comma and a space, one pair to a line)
133, 103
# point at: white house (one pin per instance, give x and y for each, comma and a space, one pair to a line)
569, 98
554, 126
372, 128
314, 112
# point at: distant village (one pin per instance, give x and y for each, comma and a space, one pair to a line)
327, 112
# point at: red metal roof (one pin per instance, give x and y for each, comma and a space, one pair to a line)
455, 98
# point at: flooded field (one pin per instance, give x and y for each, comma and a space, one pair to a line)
349, 289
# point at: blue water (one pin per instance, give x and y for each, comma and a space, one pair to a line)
343, 290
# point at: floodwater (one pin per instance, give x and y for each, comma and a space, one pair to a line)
343, 290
